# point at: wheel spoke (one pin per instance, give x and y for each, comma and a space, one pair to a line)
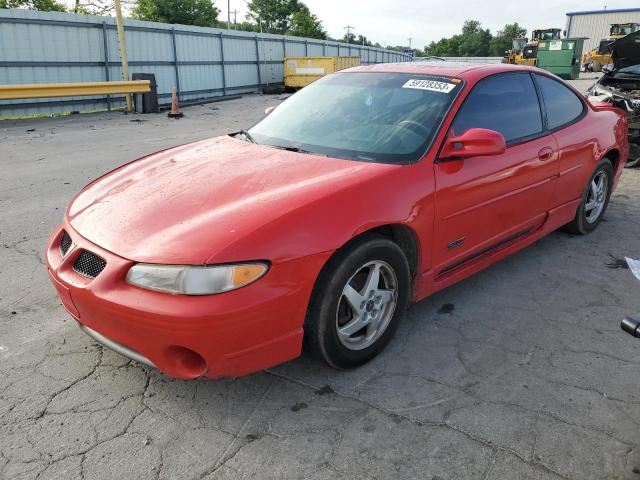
371, 305
373, 279
594, 187
590, 206
372, 327
351, 327
353, 298
385, 296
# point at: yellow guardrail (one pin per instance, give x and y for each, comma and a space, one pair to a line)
51, 90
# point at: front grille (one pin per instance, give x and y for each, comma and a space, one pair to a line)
89, 264
65, 243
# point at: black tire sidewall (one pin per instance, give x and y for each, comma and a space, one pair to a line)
634, 157
320, 324
583, 225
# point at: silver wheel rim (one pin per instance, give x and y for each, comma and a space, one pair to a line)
596, 197
366, 305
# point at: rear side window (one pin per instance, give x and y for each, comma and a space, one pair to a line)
562, 105
505, 103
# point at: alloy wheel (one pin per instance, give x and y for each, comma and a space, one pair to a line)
366, 305
596, 197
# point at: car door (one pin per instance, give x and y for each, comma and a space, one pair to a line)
576, 140
483, 203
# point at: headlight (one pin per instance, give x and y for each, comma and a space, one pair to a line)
194, 280
599, 94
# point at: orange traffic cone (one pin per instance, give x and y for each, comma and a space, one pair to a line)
175, 109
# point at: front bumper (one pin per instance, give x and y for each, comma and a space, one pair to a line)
229, 334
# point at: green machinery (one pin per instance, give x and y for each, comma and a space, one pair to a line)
561, 56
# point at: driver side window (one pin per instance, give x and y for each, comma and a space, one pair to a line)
505, 103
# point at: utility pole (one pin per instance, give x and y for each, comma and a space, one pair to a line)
235, 13
410, 38
348, 28
228, 14
123, 50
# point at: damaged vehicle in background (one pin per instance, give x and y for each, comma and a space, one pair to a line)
620, 86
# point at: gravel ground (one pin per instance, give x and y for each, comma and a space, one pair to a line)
520, 372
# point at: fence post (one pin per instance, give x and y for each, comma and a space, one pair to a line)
105, 45
324, 49
224, 77
258, 63
175, 61
306, 47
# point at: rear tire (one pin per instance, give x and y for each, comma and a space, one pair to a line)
595, 199
355, 311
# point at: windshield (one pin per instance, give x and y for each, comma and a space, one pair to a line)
623, 29
379, 117
634, 69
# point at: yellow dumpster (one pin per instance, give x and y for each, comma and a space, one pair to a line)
301, 71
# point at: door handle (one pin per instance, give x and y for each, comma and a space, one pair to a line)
545, 153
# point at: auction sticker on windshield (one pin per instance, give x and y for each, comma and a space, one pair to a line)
432, 85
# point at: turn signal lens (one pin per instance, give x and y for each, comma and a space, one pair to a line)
194, 280
244, 274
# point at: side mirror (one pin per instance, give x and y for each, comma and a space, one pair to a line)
268, 110
475, 142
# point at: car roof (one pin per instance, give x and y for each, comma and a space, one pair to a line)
440, 68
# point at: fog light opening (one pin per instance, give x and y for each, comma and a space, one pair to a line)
186, 363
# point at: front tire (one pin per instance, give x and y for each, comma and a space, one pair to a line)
634, 156
595, 200
357, 302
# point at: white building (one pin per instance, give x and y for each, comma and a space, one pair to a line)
595, 24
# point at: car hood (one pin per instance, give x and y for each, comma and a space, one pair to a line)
184, 204
625, 51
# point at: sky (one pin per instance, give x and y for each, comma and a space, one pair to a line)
393, 22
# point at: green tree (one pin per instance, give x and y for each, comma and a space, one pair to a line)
274, 15
349, 37
305, 24
93, 7
475, 41
185, 12
42, 5
503, 40
362, 40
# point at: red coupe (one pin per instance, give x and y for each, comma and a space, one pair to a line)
369, 189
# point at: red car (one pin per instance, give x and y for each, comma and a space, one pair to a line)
369, 189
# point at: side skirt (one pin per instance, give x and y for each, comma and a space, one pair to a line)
431, 281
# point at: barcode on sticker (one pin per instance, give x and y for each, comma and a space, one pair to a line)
432, 85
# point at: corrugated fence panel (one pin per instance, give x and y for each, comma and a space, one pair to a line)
315, 50
474, 59
53, 47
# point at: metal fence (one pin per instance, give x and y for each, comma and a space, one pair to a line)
52, 47
474, 59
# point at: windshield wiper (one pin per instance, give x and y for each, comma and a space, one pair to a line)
291, 148
247, 135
